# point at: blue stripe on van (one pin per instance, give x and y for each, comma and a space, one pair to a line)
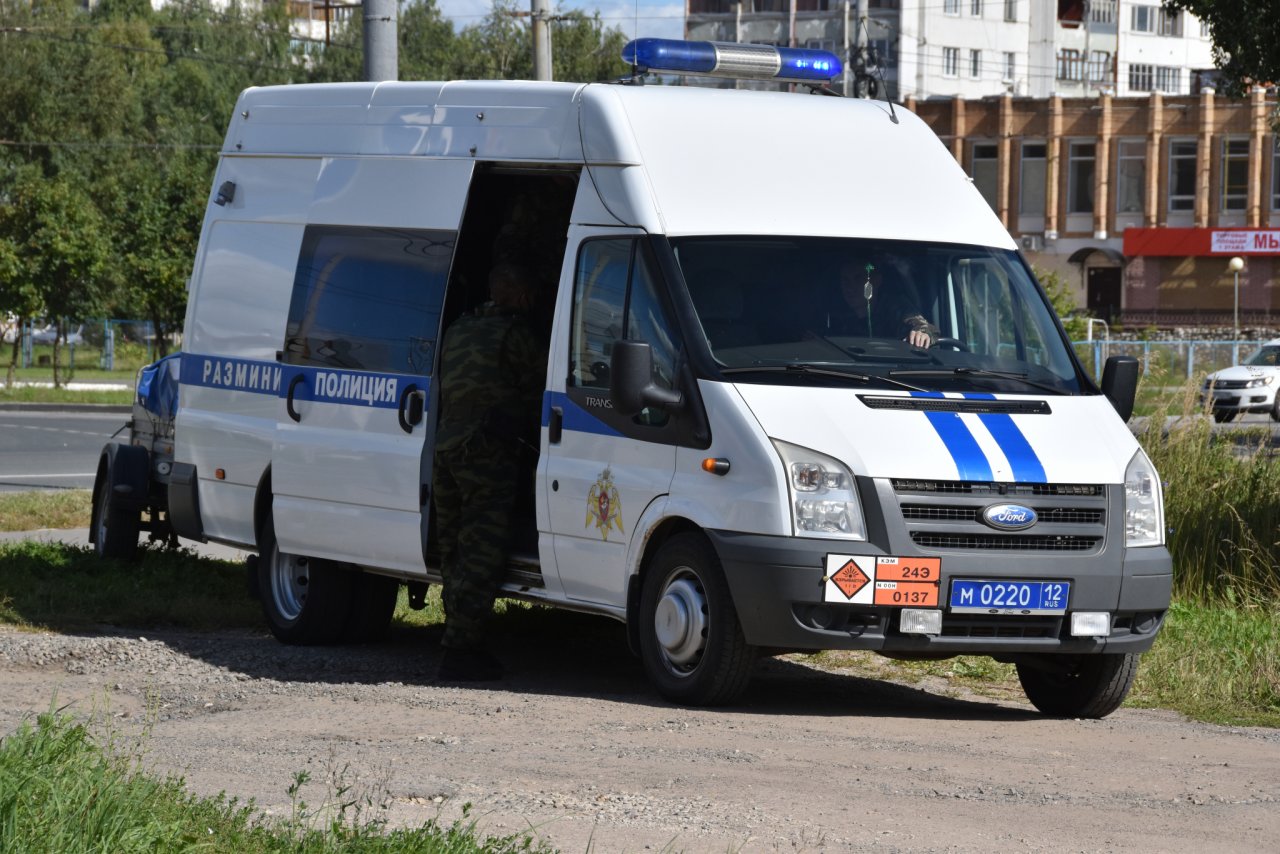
971, 463
324, 385
575, 417
1026, 464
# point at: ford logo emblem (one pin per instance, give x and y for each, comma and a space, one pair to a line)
1009, 517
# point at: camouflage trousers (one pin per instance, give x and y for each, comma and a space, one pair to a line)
474, 490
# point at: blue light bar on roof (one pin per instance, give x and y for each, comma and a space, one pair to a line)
728, 59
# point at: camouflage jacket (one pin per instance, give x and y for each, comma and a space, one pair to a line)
492, 374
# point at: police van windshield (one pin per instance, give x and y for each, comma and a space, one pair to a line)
938, 317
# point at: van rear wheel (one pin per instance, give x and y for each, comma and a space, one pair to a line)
691, 642
305, 600
1078, 686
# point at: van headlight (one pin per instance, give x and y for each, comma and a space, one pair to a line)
824, 501
1143, 504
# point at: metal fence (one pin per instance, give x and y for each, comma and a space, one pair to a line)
1176, 360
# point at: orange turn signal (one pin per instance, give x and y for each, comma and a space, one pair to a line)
716, 465
220, 474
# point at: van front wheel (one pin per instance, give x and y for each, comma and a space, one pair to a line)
1078, 686
691, 642
305, 600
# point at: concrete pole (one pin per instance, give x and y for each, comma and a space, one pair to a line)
860, 47
540, 14
381, 55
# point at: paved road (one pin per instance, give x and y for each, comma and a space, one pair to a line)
52, 450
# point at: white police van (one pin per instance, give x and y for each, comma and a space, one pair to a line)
724, 465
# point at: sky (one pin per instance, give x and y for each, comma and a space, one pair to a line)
636, 18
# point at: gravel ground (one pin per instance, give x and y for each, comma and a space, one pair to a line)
576, 748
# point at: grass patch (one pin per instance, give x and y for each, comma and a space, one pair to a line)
65, 587
62, 791
1215, 663
29, 511
37, 394
1222, 503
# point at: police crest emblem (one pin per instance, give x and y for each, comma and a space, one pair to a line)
604, 508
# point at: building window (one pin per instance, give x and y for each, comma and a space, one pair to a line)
1235, 174
1069, 64
950, 61
1102, 11
975, 8
1031, 179
1275, 176
1182, 175
1081, 161
883, 53
1205, 32
1169, 79
1011, 10
1100, 67
1169, 22
1010, 66
950, 7
1143, 19
983, 166
1140, 77
975, 63
1131, 176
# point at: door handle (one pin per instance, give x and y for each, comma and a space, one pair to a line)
555, 426
288, 400
411, 408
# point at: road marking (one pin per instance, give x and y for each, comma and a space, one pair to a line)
60, 474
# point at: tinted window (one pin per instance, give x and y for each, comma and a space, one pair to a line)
368, 299
616, 289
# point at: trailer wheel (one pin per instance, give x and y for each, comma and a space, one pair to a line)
373, 602
116, 515
305, 600
691, 642
1078, 686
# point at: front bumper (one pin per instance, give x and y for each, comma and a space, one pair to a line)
1259, 399
777, 588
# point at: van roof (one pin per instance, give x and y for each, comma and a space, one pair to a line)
718, 161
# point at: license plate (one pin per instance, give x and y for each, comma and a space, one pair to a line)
973, 596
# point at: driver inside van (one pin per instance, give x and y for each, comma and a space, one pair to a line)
872, 304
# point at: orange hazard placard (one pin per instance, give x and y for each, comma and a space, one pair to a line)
909, 569
850, 579
906, 593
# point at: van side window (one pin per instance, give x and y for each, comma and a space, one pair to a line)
616, 296
368, 299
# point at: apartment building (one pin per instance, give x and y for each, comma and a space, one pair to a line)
975, 48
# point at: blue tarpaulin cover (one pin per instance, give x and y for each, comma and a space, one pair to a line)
158, 386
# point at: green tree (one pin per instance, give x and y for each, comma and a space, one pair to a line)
1246, 39
59, 247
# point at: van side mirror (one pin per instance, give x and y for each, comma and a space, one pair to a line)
631, 385
1120, 384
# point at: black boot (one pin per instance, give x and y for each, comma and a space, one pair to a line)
468, 665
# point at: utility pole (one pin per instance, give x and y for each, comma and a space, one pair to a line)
381, 56
540, 15
858, 59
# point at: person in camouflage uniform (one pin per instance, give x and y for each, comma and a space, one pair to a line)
492, 375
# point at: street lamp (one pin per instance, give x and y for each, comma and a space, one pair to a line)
1235, 265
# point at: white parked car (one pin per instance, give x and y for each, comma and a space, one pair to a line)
50, 332
1250, 387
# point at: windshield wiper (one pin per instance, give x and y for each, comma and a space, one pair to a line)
803, 368
981, 373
